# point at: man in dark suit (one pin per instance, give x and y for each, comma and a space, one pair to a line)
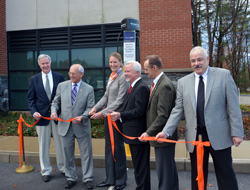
161, 102
42, 90
208, 98
133, 117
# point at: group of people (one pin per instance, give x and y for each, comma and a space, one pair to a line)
207, 99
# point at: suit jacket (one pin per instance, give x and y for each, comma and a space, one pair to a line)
114, 95
133, 112
222, 113
37, 98
84, 101
159, 107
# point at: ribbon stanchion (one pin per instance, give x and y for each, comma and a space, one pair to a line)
24, 168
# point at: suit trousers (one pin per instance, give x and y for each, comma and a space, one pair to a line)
85, 146
116, 172
166, 168
222, 161
44, 138
141, 160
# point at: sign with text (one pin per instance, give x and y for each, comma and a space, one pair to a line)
129, 53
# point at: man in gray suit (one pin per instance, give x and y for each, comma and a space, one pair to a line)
75, 98
213, 113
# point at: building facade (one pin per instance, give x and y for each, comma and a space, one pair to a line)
86, 32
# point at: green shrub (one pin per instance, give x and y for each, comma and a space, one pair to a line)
9, 125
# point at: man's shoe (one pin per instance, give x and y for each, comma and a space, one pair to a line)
69, 184
46, 178
119, 187
89, 185
103, 184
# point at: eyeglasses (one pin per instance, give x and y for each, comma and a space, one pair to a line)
73, 74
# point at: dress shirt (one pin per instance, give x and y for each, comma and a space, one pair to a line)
50, 80
77, 87
197, 79
157, 78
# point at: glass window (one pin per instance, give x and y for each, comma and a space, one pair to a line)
87, 57
59, 58
20, 80
98, 95
23, 60
94, 78
109, 50
18, 100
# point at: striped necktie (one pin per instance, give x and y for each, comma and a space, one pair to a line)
73, 94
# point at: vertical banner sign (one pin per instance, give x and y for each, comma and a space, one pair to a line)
129, 46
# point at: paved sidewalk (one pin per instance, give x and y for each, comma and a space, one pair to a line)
9, 152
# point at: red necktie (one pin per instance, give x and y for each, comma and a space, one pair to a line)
130, 87
152, 87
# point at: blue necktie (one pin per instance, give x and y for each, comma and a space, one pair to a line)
73, 94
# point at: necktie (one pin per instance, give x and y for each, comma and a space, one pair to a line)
200, 103
130, 87
73, 94
152, 87
47, 87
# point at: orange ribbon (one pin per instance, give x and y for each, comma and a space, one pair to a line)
20, 132
200, 145
199, 151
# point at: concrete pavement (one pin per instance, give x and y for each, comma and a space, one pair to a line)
9, 153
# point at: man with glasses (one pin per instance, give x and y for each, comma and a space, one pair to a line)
75, 98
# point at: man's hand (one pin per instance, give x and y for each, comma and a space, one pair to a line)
37, 115
143, 135
115, 115
161, 135
92, 111
77, 120
237, 141
54, 116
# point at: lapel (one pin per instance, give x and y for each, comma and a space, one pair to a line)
191, 84
54, 85
128, 97
210, 82
155, 89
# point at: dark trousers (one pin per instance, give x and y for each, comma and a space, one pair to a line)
222, 160
116, 172
140, 156
166, 168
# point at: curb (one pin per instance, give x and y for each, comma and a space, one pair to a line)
182, 164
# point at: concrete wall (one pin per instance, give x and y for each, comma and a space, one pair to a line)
33, 14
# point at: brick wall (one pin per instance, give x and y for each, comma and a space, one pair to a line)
166, 31
3, 40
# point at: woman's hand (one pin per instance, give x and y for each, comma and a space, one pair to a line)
97, 115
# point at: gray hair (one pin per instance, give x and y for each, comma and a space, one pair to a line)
136, 65
80, 67
43, 56
199, 48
